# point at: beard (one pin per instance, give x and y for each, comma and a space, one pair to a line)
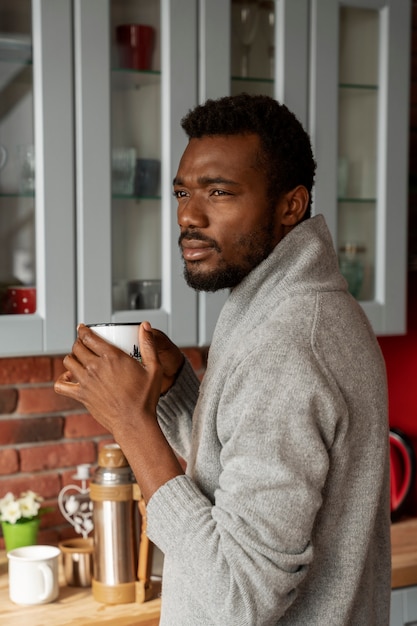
254, 248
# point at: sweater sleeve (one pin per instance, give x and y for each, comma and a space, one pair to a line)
251, 547
175, 410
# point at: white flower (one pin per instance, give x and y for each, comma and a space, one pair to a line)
10, 512
29, 506
9, 497
26, 506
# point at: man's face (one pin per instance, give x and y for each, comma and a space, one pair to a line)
227, 224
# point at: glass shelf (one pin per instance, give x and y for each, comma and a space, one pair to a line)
13, 194
358, 86
357, 200
136, 198
133, 79
252, 85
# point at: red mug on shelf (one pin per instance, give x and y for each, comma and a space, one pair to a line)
136, 43
20, 299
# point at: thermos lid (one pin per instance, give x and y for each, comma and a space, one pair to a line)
112, 456
113, 468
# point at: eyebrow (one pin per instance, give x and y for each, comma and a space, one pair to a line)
208, 180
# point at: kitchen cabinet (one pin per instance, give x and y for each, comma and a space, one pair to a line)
125, 235
358, 120
90, 234
82, 110
404, 607
256, 47
404, 573
37, 224
343, 67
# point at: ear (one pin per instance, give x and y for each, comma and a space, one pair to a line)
295, 205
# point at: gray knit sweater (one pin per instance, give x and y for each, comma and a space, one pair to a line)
283, 516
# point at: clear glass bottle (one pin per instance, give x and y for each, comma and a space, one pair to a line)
352, 266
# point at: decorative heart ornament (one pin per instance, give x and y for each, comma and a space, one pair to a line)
75, 504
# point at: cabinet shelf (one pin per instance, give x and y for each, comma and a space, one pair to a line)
356, 200
134, 197
358, 86
15, 194
134, 79
252, 84
253, 79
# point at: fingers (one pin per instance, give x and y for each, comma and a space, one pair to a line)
147, 344
89, 339
64, 385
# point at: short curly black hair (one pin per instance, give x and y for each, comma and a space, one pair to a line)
286, 157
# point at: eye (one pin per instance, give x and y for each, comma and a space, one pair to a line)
179, 193
220, 192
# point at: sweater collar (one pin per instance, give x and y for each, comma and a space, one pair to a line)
303, 261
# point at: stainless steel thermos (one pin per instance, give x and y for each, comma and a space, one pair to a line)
117, 529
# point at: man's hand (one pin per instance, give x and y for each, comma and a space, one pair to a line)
170, 357
122, 395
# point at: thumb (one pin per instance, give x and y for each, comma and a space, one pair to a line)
147, 344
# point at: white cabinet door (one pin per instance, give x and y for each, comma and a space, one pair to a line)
36, 191
258, 47
128, 115
404, 607
358, 121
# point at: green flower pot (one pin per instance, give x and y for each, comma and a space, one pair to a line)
20, 534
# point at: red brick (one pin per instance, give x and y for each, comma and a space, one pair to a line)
25, 370
8, 401
48, 537
67, 476
82, 425
43, 400
26, 430
104, 442
57, 455
46, 485
9, 461
67, 532
195, 358
54, 517
57, 367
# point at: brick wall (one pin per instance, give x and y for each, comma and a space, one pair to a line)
43, 436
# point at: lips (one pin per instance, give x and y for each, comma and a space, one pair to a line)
195, 250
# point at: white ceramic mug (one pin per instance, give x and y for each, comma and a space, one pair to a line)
124, 335
33, 574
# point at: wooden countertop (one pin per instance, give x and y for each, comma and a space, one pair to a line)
404, 553
75, 606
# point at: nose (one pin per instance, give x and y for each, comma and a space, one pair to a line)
191, 213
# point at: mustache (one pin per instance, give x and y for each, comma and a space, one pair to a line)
195, 235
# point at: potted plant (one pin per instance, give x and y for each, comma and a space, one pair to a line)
20, 518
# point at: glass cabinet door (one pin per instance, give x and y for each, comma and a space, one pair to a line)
269, 50
359, 49
256, 46
37, 310
359, 126
136, 78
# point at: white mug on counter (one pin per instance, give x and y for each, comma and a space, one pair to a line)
33, 574
123, 335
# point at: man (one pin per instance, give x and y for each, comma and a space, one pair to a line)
282, 516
